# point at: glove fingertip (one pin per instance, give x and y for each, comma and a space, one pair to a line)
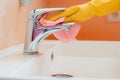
68, 19
55, 17
52, 19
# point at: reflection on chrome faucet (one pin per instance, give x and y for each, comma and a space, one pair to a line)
32, 41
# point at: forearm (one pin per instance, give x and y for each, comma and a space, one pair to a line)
104, 7
95, 8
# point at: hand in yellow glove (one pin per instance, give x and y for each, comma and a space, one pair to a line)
75, 13
84, 12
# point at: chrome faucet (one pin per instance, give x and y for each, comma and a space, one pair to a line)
32, 41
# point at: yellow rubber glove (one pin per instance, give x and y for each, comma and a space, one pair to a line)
84, 12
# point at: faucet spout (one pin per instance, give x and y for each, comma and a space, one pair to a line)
45, 32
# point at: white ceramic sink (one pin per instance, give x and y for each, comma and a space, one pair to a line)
84, 60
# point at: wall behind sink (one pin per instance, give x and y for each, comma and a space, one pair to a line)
97, 28
13, 21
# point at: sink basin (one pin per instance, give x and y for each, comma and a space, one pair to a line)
83, 60
98, 59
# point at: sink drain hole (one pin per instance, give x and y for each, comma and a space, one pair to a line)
62, 75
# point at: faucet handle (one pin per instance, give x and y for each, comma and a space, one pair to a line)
39, 12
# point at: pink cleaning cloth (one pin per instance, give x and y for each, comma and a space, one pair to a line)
62, 35
48, 24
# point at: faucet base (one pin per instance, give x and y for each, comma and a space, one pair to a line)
31, 53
